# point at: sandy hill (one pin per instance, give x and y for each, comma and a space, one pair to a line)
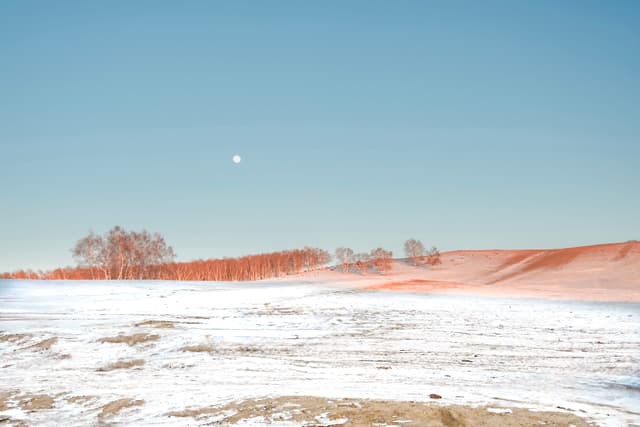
608, 272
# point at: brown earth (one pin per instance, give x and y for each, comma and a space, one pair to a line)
44, 344
130, 339
162, 324
79, 399
112, 408
4, 398
200, 348
14, 338
357, 412
121, 364
35, 402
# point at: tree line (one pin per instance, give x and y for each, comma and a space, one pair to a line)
380, 259
119, 254
129, 255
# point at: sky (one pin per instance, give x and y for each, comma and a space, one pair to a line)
494, 124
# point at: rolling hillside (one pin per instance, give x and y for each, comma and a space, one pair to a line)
609, 272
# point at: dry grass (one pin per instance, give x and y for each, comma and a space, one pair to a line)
35, 402
130, 339
79, 399
195, 413
7, 420
14, 338
309, 410
625, 249
544, 260
121, 364
516, 258
44, 344
112, 408
417, 284
161, 324
4, 398
200, 348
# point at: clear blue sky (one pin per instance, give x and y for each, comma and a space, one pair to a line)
361, 123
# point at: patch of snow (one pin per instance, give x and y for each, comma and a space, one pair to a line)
313, 340
324, 420
499, 410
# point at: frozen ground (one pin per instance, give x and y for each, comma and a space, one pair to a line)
277, 339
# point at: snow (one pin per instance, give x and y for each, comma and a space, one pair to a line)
499, 410
274, 339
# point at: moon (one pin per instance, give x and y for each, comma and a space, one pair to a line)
236, 159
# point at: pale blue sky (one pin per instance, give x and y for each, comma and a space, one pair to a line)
494, 124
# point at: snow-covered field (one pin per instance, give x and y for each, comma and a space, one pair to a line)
274, 339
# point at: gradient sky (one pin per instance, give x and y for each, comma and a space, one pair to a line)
361, 123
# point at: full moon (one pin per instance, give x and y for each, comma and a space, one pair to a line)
236, 159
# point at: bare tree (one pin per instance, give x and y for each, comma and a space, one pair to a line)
123, 255
362, 261
414, 249
143, 255
89, 252
381, 259
433, 256
345, 257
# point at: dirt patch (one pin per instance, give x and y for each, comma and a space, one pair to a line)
415, 285
247, 349
4, 398
546, 260
35, 402
625, 249
112, 408
282, 311
356, 412
517, 258
195, 413
45, 344
130, 339
121, 364
200, 348
14, 338
7, 420
161, 324
553, 259
79, 399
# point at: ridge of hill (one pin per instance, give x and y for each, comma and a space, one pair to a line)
606, 272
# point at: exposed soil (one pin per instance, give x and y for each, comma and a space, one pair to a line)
79, 399
200, 348
8, 421
195, 413
35, 402
552, 259
112, 408
411, 285
4, 397
130, 339
161, 324
45, 344
315, 411
517, 258
624, 250
14, 338
121, 364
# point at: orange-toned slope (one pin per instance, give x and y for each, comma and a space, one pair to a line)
597, 272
